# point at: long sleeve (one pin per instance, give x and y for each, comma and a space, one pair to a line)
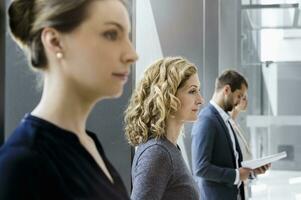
151, 173
18, 174
204, 134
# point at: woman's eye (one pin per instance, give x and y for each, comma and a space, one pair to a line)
192, 91
111, 35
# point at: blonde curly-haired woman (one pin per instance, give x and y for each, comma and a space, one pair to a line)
167, 96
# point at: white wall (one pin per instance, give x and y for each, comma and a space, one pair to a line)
147, 40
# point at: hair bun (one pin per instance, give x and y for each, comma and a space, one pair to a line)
21, 19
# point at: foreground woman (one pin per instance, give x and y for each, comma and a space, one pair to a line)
83, 51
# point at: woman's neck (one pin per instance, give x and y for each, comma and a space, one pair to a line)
234, 114
64, 108
173, 130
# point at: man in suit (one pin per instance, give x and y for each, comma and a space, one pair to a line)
216, 155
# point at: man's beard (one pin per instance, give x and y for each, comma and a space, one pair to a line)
228, 105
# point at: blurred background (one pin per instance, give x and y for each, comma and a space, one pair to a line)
259, 38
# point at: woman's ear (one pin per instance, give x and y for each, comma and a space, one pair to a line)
52, 42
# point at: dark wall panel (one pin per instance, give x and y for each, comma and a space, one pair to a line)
2, 68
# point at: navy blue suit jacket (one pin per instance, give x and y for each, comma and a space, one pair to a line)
213, 160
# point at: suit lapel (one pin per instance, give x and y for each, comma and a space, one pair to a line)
226, 132
240, 158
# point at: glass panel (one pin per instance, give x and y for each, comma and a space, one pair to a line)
271, 60
265, 2
271, 17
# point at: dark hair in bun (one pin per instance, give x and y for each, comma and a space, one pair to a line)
27, 18
21, 19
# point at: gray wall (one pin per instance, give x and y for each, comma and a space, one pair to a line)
289, 81
288, 137
211, 46
21, 95
179, 24
229, 34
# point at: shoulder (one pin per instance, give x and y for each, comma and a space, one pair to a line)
18, 166
18, 155
155, 148
23, 137
206, 121
16, 158
208, 111
152, 159
154, 151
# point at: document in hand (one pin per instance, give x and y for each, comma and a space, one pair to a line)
253, 164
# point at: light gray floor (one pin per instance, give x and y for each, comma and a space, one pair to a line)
277, 185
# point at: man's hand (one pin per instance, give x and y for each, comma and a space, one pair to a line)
262, 169
244, 173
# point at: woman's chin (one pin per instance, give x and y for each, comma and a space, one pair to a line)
194, 118
114, 95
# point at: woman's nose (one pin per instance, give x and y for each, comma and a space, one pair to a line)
130, 56
200, 100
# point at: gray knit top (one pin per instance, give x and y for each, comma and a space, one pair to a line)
159, 172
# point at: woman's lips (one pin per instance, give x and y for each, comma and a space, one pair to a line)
122, 76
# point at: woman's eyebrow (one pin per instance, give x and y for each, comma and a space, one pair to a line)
119, 26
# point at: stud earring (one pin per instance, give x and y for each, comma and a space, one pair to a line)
59, 55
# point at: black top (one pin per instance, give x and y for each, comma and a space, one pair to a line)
41, 161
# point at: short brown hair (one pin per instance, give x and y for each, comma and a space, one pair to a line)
232, 78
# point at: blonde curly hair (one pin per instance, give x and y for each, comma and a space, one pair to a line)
154, 99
